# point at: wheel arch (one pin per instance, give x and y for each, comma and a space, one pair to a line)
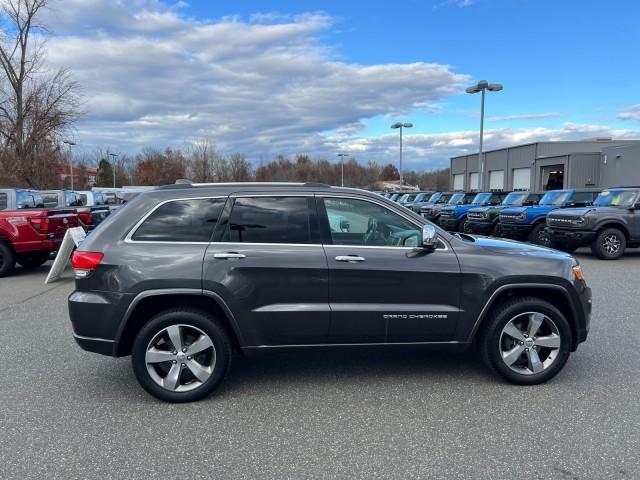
147, 304
557, 295
614, 224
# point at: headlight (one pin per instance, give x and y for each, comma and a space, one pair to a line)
520, 217
579, 221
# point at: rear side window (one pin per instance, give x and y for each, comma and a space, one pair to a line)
269, 220
3, 201
181, 221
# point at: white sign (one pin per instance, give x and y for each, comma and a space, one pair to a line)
72, 239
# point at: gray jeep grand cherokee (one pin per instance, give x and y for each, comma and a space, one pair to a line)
183, 275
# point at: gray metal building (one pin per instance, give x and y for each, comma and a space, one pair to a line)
544, 166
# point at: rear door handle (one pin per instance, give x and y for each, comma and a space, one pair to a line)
228, 255
350, 258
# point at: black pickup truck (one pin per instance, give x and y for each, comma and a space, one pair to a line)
609, 226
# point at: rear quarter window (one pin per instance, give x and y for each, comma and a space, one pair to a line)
181, 221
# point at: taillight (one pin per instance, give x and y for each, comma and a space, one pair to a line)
84, 263
41, 225
86, 218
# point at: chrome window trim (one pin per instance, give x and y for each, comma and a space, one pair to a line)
401, 214
133, 230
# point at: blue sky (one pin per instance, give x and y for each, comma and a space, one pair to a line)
569, 68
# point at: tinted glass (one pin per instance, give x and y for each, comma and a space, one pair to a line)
24, 199
181, 221
358, 222
3, 201
583, 198
444, 198
481, 199
456, 199
50, 199
555, 197
269, 220
83, 196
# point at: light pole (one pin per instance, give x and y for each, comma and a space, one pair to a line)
401, 126
342, 155
113, 162
481, 86
70, 144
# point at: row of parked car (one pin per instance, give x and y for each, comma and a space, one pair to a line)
608, 220
33, 222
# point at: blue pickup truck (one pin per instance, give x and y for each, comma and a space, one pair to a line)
529, 223
454, 217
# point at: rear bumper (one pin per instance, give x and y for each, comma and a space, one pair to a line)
515, 230
96, 345
449, 223
574, 237
479, 228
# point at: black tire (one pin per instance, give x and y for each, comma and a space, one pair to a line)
496, 231
33, 260
537, 235
208, 324
565, 247
462, 224
7, 259
490, 339
609, 244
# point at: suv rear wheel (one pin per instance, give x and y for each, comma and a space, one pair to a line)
609, 244
181, 355
527, 341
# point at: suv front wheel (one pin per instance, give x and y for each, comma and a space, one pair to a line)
609, 244
527, 341
181, 355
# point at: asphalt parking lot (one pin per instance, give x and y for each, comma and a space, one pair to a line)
70, 414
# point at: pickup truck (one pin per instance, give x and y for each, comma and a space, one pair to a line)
29, 236
19, 198
485, 220
530, 222
89, 216
454, 217
432, 211
609, 226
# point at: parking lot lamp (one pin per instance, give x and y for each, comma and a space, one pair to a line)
401, 126
113, 162
481, 86
342, 155
70, 144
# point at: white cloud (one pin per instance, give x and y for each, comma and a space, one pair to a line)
526, 116
631, 112
154, 77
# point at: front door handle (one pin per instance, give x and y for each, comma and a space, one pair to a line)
349, 258
228, 256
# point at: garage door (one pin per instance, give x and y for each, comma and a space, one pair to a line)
496, 180
458, 181
521, 178
473, 181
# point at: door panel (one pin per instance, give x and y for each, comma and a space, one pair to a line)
268, 264
379, 288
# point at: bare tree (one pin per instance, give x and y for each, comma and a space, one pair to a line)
36, 106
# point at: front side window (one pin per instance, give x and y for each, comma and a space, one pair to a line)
359, 222
24, 199
269, 220
181, 221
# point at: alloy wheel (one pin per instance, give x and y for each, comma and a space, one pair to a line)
611, 244
529, 343
180, 358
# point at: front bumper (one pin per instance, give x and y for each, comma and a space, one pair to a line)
478, 227
582, 328
515, 230
449, 223
574, 237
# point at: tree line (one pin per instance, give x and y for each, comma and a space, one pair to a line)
38, 108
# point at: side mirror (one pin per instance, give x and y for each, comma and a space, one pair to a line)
429, 237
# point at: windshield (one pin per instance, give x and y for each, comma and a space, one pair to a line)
444, 198
515, 198
481, 199
404, 198
456, 198
419, 197
615, 198
556, 197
